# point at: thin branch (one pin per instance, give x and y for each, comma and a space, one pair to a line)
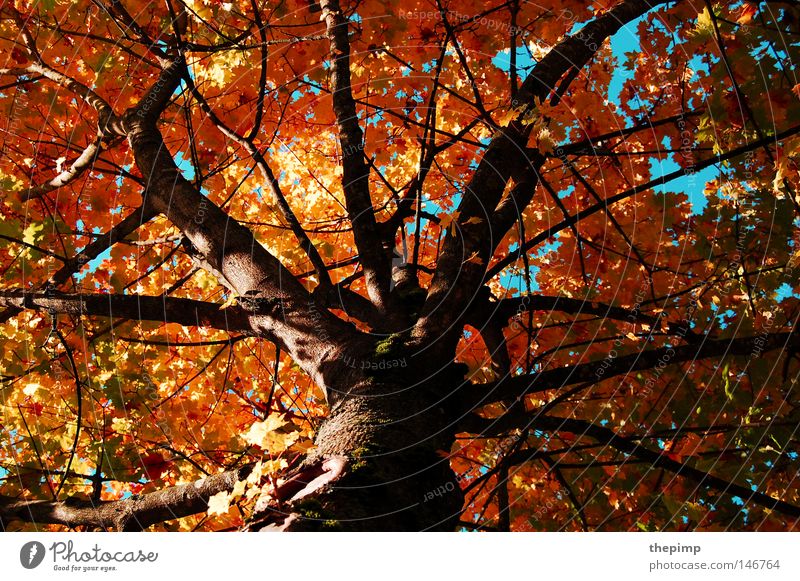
658, 460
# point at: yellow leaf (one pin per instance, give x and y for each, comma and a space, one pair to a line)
263, 435
219, 503
255, 474
794, 260
511, 114
32, 233
704, 26
238, 489
122, 425
545, 142
31, 388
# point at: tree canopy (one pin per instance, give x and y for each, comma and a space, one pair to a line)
526, 265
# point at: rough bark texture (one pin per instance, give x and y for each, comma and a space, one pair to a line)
389, 444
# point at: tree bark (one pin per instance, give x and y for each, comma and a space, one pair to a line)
381, 460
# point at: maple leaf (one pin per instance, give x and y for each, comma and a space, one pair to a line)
268, 437
220, 503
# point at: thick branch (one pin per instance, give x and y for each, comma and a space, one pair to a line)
78, 167
519, 386
108, 120
163, 309
287, 313
117, 233
130, 223
375, 258
108, 128
136, 513
272, 182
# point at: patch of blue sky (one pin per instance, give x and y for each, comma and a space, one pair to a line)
185, 166
693, 185
697, 64
120, 179
626, 40
313, 87
93, 264
724, 317
517, 279
785, 291
502, 60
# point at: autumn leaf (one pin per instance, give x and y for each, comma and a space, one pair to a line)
268, 436
220, 503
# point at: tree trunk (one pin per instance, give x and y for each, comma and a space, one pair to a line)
381, 459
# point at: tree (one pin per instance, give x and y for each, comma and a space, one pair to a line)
453, 265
